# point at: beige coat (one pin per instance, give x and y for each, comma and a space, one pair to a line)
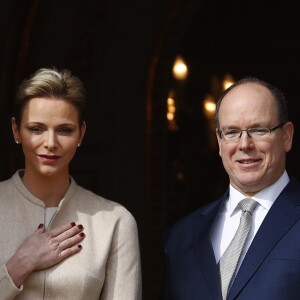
107, 267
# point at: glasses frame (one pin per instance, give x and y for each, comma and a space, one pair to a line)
220, 132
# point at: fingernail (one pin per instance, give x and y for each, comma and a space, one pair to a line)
41, 226
80, 226
73, 224
79, 246
81, 234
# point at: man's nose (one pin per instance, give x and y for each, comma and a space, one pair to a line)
245, 141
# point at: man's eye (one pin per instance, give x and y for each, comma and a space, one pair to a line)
259, 131
231, 133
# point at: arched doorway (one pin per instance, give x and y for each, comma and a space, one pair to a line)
217, 40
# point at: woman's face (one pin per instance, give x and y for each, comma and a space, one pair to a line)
50, 133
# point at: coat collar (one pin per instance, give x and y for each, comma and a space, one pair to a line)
203, 247
26, 194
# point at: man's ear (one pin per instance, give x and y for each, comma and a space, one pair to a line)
288, 133
219, 142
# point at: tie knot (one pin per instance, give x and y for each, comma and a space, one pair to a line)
248, 204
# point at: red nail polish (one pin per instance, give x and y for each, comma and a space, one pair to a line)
41, 226
80, 226
81, 234
73, 224
79, 246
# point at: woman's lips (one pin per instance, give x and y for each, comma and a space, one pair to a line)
49, 158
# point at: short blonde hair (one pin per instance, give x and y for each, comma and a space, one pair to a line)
51, 83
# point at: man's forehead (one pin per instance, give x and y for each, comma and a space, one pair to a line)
249, 87
248, 93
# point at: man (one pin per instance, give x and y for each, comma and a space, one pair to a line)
254, 135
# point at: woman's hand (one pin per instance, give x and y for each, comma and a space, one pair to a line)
42, 250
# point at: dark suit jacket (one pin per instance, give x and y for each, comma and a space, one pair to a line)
271, 267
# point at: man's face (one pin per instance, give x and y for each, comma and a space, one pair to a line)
253, 165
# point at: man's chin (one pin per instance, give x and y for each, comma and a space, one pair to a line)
250, 186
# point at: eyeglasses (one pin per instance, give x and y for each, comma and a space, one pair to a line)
257, 134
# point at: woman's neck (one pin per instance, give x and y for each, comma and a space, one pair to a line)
49, 189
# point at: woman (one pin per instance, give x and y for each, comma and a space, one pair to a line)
59, 240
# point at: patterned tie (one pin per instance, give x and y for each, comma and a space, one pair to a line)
230, 259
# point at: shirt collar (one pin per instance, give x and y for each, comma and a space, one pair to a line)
265, 197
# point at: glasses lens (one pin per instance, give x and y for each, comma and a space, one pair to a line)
231, 134
258, 132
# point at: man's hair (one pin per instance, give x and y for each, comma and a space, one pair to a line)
51, 84
278, 96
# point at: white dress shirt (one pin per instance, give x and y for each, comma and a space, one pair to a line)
227, 221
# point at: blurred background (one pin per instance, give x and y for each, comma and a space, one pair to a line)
153, 70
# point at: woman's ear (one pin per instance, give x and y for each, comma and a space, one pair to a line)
82, 132
15, 130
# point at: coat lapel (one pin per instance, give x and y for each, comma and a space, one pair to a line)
204, 251
281, 217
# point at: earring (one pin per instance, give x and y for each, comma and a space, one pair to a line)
17, 142
78, 145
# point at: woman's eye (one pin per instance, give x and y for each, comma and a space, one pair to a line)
36, 130
65, 131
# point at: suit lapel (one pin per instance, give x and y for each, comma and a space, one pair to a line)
204, 251
269, 234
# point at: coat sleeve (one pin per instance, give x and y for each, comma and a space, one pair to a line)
8, 290
123, 270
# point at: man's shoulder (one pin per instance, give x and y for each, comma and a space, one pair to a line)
291, 191
292, 187
294, 182
200, 212
185, 227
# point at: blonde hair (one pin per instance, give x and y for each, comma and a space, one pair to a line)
51, 83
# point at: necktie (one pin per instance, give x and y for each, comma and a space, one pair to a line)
230, 259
